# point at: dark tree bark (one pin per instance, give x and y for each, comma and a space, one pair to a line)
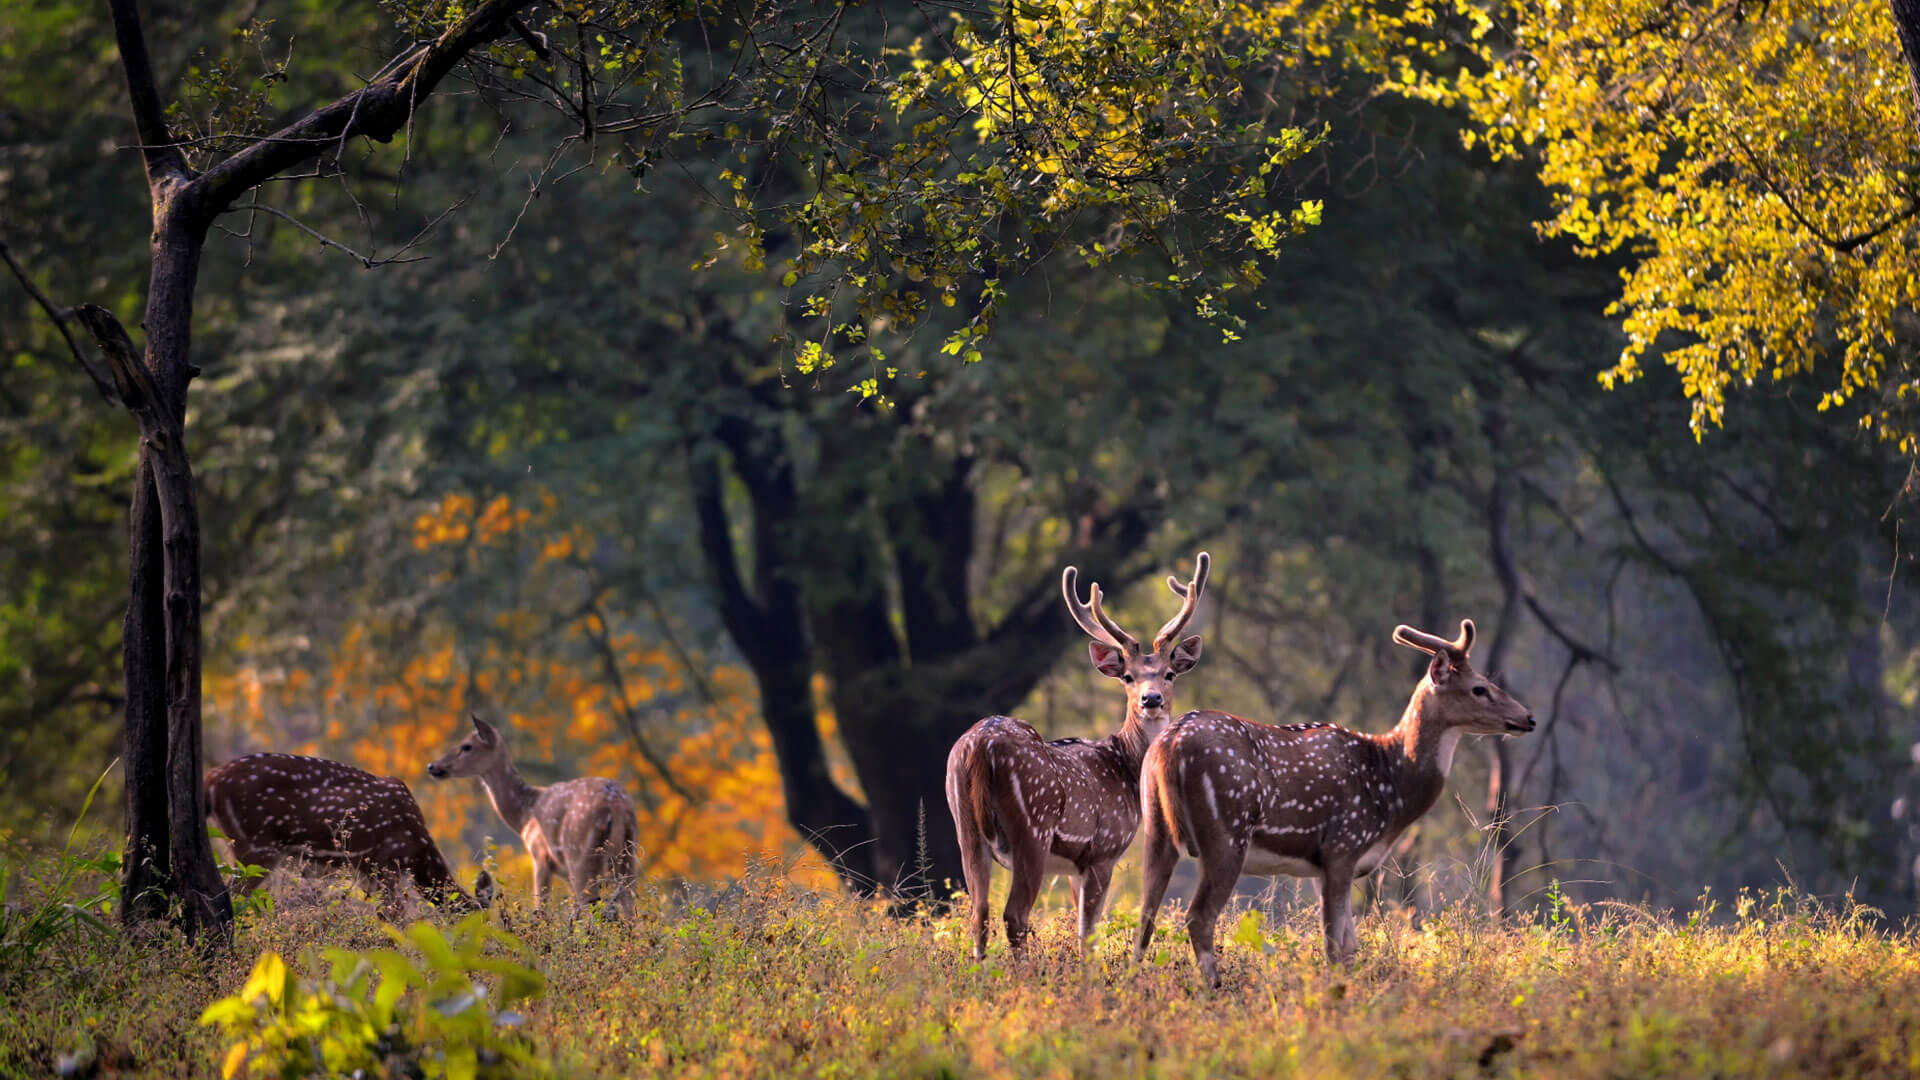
148, 861
169, 864
1506, 855
1906, 22
770, 631
166, 759
826, 564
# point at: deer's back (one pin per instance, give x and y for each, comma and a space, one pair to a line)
1072, 791
1295, 794
288, 801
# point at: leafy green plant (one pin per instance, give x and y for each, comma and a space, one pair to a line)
37, 912
258, 901
443, 1008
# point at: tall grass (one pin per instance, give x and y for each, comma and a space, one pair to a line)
771, 979
55, 905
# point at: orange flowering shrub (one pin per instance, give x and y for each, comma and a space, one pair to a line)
577, 702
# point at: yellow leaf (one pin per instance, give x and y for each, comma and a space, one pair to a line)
236, 1056
269, 977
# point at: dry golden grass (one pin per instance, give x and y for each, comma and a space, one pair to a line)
771, 979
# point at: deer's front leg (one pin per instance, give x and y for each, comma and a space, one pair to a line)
1092, 898
1336, 912
542, 878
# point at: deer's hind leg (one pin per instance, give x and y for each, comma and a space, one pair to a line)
584, 876
1220, 866
1160, 857
976, 865
1029, 859
976, 857
1091, 898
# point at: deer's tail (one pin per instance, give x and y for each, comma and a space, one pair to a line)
978, 780
1163, 801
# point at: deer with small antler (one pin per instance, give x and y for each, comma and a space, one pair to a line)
584, 830
1068, 806
275, 807
1308, 800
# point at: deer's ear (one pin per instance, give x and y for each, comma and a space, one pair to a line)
1440, 669
1107, 660
1185, 655
485, 730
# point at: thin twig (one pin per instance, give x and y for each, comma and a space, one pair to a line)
367, 261
59, 315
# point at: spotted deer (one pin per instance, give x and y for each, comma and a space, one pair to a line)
584, 830
1308, 800
275, 807
1068, 806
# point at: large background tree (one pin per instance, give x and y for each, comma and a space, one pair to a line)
1133, 137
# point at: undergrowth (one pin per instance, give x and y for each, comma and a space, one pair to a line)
770, 979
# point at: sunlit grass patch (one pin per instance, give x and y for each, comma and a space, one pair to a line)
767, 977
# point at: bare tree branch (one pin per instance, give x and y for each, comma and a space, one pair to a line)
165, 163
376, 111
59, 315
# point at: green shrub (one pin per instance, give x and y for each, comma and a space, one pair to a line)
426, 1012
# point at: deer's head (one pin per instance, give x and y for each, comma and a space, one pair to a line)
474, 755
1457, 696
1147, 673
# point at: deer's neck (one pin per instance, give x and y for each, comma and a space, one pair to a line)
1419, 754
1130, 742
512, 797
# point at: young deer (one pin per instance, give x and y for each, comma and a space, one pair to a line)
585, 829
278, 806
1067, 806
1310, 800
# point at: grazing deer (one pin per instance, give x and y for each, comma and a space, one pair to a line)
278, 806
1067, 806
584, 829
1310, 800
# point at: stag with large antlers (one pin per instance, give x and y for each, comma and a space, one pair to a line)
1308, 800
275, 807
584, 829
1068, 806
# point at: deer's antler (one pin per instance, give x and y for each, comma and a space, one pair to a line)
1190, 592
1433, 643
1090, 616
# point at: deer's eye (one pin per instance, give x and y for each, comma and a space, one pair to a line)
1479, 691
464, 748
1126, 678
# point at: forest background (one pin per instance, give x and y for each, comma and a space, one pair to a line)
554, 458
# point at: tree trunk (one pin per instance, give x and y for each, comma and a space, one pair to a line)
165, 812
146, 868
898, 737
824, 815
169, 857
1500, 768
766, 622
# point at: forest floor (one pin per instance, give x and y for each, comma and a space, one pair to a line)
770, 979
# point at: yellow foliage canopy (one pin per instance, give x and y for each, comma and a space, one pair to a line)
1757, 161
